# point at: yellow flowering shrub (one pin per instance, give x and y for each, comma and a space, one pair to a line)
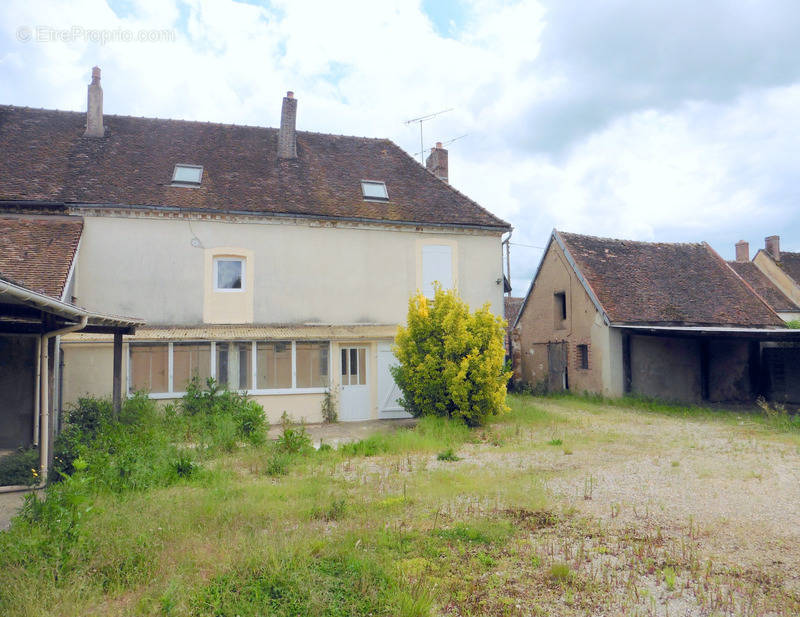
451, 361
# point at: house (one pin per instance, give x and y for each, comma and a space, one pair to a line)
783, 270
277, 261
670, 321
780, 301
37, 259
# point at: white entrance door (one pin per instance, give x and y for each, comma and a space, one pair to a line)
388, 392
355, 398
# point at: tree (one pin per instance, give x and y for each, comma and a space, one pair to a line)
451, 362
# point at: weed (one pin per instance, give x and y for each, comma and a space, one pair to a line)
669, 577
183, 465
567, 451
293, 440
447, 455
330, 407
555, 442
334, 511
278, 463
559, 572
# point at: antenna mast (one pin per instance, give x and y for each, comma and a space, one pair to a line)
422, 119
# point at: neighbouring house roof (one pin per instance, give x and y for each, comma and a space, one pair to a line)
665, 283
511, 308
288, 332
37, 251
47, 159
790, 264
763, 286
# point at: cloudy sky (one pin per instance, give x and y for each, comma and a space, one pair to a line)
649, 120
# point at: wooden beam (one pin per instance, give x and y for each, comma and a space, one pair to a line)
117, 391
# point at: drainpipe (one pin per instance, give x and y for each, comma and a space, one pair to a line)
44, 438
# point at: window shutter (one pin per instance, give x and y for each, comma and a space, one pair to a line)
437, 265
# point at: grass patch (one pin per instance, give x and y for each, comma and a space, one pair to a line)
430, 434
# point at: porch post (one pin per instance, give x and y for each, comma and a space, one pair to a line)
117, 391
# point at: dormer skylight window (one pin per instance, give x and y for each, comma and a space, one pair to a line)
187, 175
374, 191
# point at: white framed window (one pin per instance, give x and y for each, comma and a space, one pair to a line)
229, 274
187, 175
437, 266
372, 190
255, 367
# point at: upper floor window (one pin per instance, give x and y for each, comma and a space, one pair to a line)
229, 273
187, 175
374, 190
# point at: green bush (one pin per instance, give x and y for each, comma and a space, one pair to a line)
20, 468
451, 361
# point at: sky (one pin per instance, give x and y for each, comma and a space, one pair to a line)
642, 119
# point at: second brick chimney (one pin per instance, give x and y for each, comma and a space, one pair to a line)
94, 107
437, 162
742, 251
287, 137
772, 244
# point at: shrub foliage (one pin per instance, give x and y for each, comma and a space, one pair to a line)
451, 361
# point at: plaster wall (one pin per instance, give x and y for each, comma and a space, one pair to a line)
304, 272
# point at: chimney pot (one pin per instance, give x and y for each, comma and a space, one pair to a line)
287, 135
94, 107
742, 251
772, 244
437, 162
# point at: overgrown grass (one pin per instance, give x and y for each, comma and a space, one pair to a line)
774, 416
372, 528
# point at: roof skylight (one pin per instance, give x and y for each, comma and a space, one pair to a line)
374, 190
187, 175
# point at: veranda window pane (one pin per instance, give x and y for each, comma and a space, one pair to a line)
312, 364
274, 366
149, 368
233, 365
190, 360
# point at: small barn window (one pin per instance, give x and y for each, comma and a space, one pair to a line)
560, 309
583, 356
374, 190
187, 175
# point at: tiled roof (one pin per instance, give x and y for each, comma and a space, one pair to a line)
790, 263
763, 286
661, 283
37, 251
291, 332
46, 157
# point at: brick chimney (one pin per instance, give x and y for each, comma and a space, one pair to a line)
437, 162
94, 107
742, 251
772, 244
287, 137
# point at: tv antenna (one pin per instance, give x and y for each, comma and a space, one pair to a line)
422, 119
446, 143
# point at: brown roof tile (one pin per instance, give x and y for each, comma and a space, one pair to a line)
46, 157
763, 286
37, 251
790, 263
664, 283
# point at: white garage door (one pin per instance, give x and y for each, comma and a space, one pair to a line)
388, 392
